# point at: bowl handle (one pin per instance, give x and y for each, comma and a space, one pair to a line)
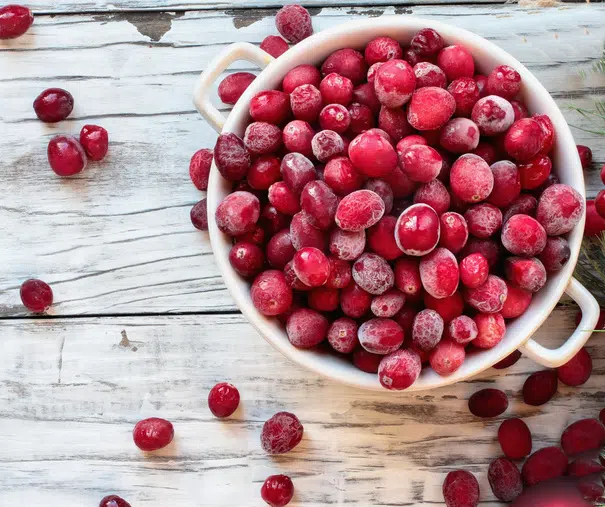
554, 358
201, 92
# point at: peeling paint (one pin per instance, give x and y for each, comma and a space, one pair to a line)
403, 10
372, 13
150, 24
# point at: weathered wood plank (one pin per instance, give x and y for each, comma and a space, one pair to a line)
117, 238
71, 390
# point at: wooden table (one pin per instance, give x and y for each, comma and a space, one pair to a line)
143, 325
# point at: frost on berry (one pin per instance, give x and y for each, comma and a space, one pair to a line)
380, 336
247, 259
471, 178
113, 501
297, 136
523, 235
388, 304
237, 213
474, 270
372, 154
199, 168
304, 234
489, 297
297, 170
274, 45
430, 108
306, 328
540, 387
490, 330
459, 135
359, 210
335, 117
354, 301
300, 75
436, 195
399, 370
454, 231
294, 23
348, 63
231, 157
281, 433
447, 357
336, 89
503, 81
522, 139
327, 144
373, 274
544, 464
421, 163
507, 183
394, 83
466, 93
583, 436
462, 330
461, 489
483, 220
428, 74
306, 103
526, 273
559, 209
493, 115
439, 273
319, 203
271, 294
577, 370
488, 403
505, 479
427, 330
342, 335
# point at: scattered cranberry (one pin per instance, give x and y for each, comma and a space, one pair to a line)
54, 104
595, 223
490, 330
274, 45
515, 438
66, 155
577, 370
277, 490
508, 361
15, 20
583, 436
199, 215
153, 434
493, 115
488, 403
281, 433
430, 108
544, 464
582, 467
234, 85
306, 328
95, 141
359, 210
223, 399
585, 156
36, 295
271, 294
540, 387
399, 370
505, 479
113, 501
342, 335
460, 488
294, 23
599, 203
517, 301
199, 168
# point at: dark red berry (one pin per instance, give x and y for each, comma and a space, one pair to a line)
15, 20
95, 141
36, 295
488, 403
515, 438
53, 104
223, 399
199, 215
153, 434
113, 501
508, 361
277, 490
461, 489
540, 387
281, 433
505, 479
66, 155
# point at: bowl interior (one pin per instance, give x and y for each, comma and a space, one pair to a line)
487, 55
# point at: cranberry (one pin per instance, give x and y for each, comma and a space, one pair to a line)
466, 93
274, 45
394, 83
341, 176
407, 277
490, 328
602, 174
489, 248
481, 81
280, 195
113, 501
421, 163
277, 490
271, 295
280, 250
336, 89
382, 49
348, 63
524, 204
487, 152
199, 215
297, 170
505, 479
359, 210
493, 115
515, 438
327, 144
311, 266
293, 282
262, 138
523, 235
335, 117
585, 154
488, 403
231, 157
577, 370
399, 370
544, 464
306, 103
535, 172
373, 274
599, 203
417, 230
430, 108
394, 122
509, 360
271, 106
595, 223
15, 20
238, 213
427, 330
404, 144
303, 234
388, 304
381, 239
281, 433
448, 307
454, 231
540, 387
199, 168
483, 220
447, 357
489, 297
347, 245
461, 489
247, 259
547, 136
462, 330
517, 301
294, 23
95, 141
153, 434
364, 95
380, 336
354, 301
303, 74
401, 185
223, 399
54, 104
522, 140
584, 466
559, 209
439, 273
36, 295
323, 299
527, 274
319, 203
426, 42
507, 183
340, 274
474, 270
503, 81
471, 178
459, 135
366, 361
297, 136
372, 154
342, 335
428, 74
234, 85
435, 194
66, 155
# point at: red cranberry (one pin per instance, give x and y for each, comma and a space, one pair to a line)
583, 436
231, 157
488, 403
523, 235
509, 360
427, 330
489, 297
271, 295
366, 361
439, 273
448, 307
515, 438
373, 274
459, 135
428, 74
517, 301
407, 277
297, 137
199, 215
481, 81
113, 501
380, 336
336, 89
319, 203
447, 357
95, 141
505, 479
66, 155
303, 74
271, 106
297, 170
417, 230
599, 203
503, 81
280, 195
507, 183
234, 85
585, 156
462, 330
54, 104
456, 62
362, 118
341, 176
311, 266
364, 95
340, 274
426, 42
461, 489
36, 295
277, 490
483, 220
359, 210
381, 239
382, 49
544, 464
274, 45
547, 137
348, 63
394, 122
466, 93
281, 433
524, 204
527, 274
294, 23
394, 83
490, 330
399, 370
535, 172
430, 108
247, 259
372, 154
335, 117
306, 328
471, 178
223, 399
15, 20
153, 434
487, 152
199, 168
454, 231
342, 335
303, 234
435, 194
474, 270
262, 138
280, 250
388, 304
577, 370
238, 213
523, 139
540, 387
421, 163
347, 245
493, 115
595, 223
354, 301
327, 144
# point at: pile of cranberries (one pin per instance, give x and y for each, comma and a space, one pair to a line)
393, 205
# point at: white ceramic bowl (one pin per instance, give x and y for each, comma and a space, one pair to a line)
356, 34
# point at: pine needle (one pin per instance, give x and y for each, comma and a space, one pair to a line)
590, 269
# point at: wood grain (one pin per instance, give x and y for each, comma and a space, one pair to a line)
116, 239
72, 389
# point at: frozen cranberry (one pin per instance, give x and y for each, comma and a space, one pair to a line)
584, 466
407, 277
319, 203
404, 144
373, 274
507, 183
280, 250
421, 163
199, 168
231, 157
427, 42
474, 270
364, 95
113, 501
264, 172
394, 122
300, 75
327, 144
223, 399
381, 239
311, 266
559, 209
466, 93
281, 433
447, 357
66, 155
297, 136
525, 204
340, 274
354, 301
527, 274
271, 106
336, 89
582, 436
306, 328
459, 135
399, 370
293, 22
585, 156
535, 172
430, 108
503, 81
483, 220
577, 370
544, 464
247, 259
261, 138
52, 105
505, 479
454, 231
595, 223
508, 361
519, 109
489, 248
522, 140
555, 254
461, 489
323, 299
306, 103
448, 307
435, 195
342, 335
36, 295
293, 282
341, 176
199, 215
417, 230
523, 235
394, 83
540, 387
427, 330
515, 438
335, 117
517, 301
348, 63
359, 210
439, 273
362, 118
297, 170
428, 74
471, 178
234, 85
303, 234
380, 336
491, 329
271, 294
488, 403
237, 213
274, 45
401, 185
153, 434
481, 81
487, 152
382, 49
347, 245
489, 297
462, 330
366, 361
493, 115
388, 304
277, 490
456, 62
280, 196
372, 154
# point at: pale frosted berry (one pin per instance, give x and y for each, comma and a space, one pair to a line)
237, 213
354, 301
262, 137
427, 329
95, 141
466, 94
515, 438
394, 83
540, 387
585, 154
577, 370
271, 106
311, 266
493, 115
319, 203
417, 230
297, 170
306, 328
471, 178
36, 295
507, 183
430, 108
152, 434
113, 501
526, 273
294, 23
407, 277
461, 489
271, 294
508, 361
66, 155
517, 301
447, 357
306, 103
234, 85
380, 336
381, 238
489, 297
544, 464
503, 81
448, 307
522, 139
382, 49
281, 433
426, 42
372, 154
52, 105
335, 117
341, 176
300, 75
274, 45
435, 194
488, 403
383, 189
348, 63
481, 81
336, 89
327, 144
428, 74
342, 335
347, 245
388, 304
439, 273
504, 479
483, 220
421, 163
547, 137
454, 231
231, 157
280, 250
373, 274
524, 204
559, 209
199, 168
199, 215
462, 330
366, 361
223, 399
297, 136
474, 270
247, 259
359, 210
555, 255
277, 490
459, 135
523, 235
535, 172
399, 370
490, 330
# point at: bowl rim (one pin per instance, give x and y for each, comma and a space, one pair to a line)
278, 67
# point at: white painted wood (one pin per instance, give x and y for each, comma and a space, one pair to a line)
117, 238
72, 389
